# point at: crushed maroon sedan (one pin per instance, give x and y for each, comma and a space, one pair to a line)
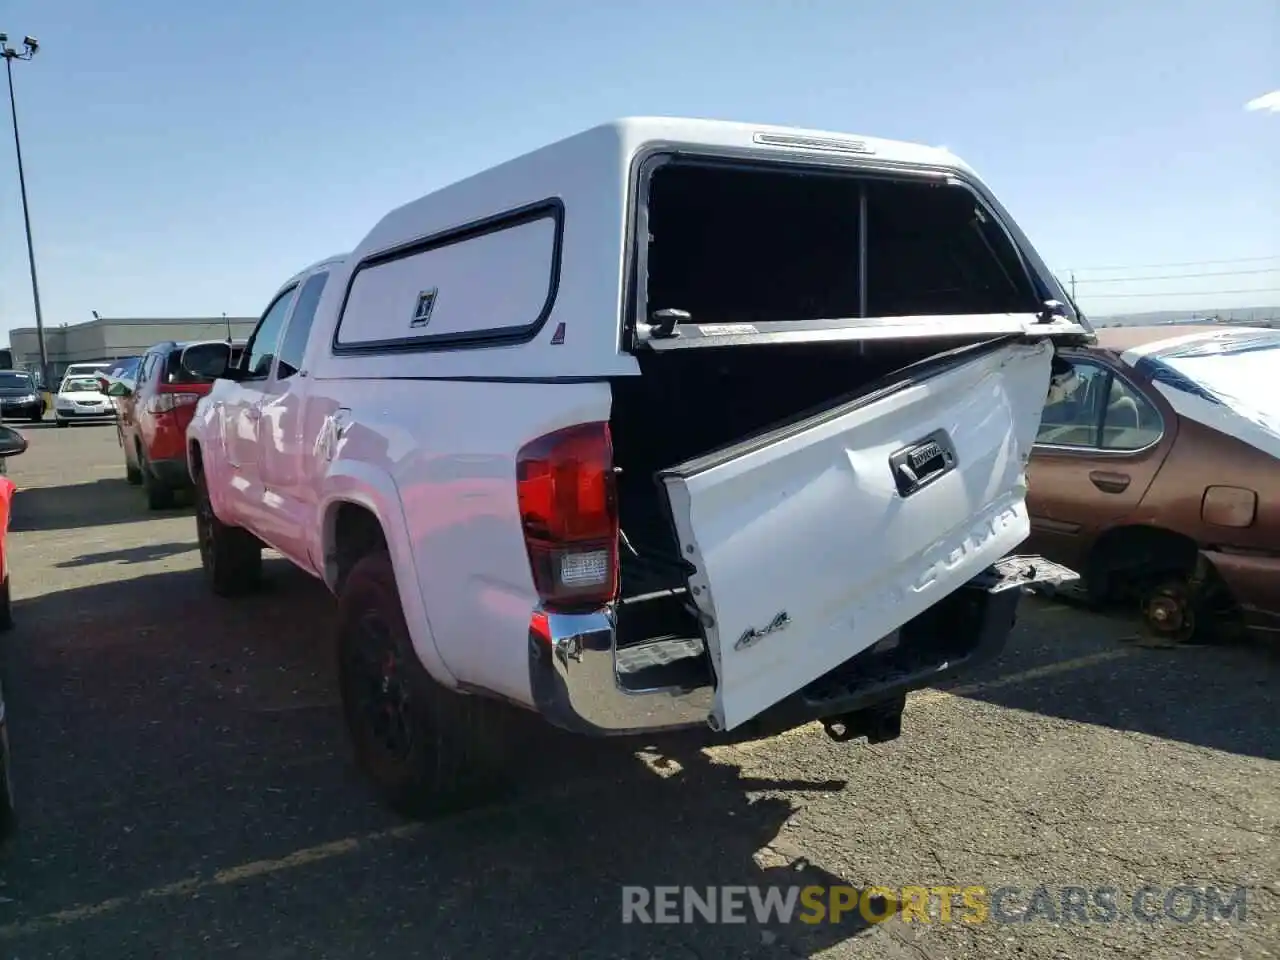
1156, 473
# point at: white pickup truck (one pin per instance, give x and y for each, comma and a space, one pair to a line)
670, 423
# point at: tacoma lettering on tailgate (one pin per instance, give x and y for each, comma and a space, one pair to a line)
985, 530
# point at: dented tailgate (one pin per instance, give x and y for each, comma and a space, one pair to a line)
814, 542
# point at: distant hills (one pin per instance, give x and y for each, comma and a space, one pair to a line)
1251, 315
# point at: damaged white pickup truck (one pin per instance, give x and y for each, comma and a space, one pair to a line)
671, 423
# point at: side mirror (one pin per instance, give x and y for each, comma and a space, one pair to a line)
118, 389
207, 361
12, 442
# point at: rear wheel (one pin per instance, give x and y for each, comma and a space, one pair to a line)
132, 472
6, 605
159, 494
8, 808
231, 557
427, 749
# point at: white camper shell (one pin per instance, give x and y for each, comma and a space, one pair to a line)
670, 422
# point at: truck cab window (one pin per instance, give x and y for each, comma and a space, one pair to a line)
261, 351
294, 345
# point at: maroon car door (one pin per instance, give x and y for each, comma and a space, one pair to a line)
1100, 444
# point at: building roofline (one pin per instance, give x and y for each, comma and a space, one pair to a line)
132, 322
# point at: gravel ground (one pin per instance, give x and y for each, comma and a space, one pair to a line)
187, 791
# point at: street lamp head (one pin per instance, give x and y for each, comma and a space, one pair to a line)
31, 43
4, 38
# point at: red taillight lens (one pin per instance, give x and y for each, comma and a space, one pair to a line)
569, 511
168, 402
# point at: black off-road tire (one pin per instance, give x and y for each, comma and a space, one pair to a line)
132, 473
160, 496
231, 557
8, 809
6, 605
450, 751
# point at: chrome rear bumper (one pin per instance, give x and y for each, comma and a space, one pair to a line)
575, 677
582, 682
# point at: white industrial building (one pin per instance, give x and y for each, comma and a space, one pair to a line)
113, 338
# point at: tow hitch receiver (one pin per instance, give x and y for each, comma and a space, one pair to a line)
879, 724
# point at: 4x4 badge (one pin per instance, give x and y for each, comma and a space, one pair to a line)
752, 636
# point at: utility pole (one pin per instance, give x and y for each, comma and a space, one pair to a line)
1073, 284
227, 323
30, 46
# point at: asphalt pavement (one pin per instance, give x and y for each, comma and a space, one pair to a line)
186, 788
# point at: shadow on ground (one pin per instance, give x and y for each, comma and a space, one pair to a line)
1215, 696
74, 506
130, 555
161, 735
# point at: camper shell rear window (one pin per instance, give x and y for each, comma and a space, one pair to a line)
732, 243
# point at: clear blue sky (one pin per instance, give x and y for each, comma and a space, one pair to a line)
185, 158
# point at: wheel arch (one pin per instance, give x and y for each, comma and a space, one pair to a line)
360, 506
352, 529
1150, 550
195, 459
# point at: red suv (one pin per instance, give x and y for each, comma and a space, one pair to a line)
153, 413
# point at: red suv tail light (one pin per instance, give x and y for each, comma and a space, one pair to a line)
569, 512
168, 402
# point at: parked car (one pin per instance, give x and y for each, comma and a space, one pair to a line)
644, 431
124, 371
154, 409
87, 369
1156, 472
12, 443
20, 396
80, 398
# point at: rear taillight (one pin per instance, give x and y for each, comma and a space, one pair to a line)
569, 512
168, 402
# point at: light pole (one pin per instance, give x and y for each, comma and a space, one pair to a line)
30, 45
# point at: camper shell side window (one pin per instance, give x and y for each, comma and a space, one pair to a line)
492, 282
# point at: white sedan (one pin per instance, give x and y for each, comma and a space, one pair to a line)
81, 398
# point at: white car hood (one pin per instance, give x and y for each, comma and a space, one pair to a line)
1225, 380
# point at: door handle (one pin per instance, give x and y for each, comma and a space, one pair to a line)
1109, 482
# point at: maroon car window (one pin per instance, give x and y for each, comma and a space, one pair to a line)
1073, 418
1131, 421
1098, 410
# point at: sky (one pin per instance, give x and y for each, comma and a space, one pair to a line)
184, 159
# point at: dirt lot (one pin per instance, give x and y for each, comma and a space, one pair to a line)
186, 788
